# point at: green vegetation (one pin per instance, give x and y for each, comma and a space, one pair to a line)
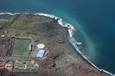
21, 47
59, 39
1, 32
45, 41
3, 19
7, 61
23, 61
55, 48
73, 55
1, 61
41, 29
4, 39
77, 65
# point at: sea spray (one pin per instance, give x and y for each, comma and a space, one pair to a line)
71, 31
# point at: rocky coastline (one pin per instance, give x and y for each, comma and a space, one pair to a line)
63, 60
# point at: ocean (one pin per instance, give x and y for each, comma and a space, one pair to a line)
93, 20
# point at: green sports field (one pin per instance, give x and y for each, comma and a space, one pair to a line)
20, 47
23, 61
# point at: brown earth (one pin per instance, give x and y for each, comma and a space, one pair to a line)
3, 48
5, 72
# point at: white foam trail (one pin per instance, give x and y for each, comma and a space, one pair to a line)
79, 43
47, 15
60, 21
71, 32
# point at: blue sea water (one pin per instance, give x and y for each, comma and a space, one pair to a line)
94, 20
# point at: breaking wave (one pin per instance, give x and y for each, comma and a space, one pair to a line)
71, 31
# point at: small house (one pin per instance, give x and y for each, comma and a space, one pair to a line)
9, 65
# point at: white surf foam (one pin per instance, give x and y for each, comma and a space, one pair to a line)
3, 13
72, 40
79, 43
71, 33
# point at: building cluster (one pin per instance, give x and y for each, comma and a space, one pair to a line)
25, 64
19, 64
8, 64
39, 52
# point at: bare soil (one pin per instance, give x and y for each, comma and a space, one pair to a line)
3, 48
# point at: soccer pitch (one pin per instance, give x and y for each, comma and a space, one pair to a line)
20, 47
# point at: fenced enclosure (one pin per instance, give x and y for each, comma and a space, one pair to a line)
21, 47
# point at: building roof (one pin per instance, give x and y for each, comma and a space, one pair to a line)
40, 53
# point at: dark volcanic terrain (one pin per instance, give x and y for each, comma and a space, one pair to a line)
63, 59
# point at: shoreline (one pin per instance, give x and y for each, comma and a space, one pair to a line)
70, 30
70, 34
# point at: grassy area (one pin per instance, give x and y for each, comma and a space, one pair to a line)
21, 47
46, 32
23, 61
59, 39
3, 19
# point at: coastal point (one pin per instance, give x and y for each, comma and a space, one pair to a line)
37, 45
